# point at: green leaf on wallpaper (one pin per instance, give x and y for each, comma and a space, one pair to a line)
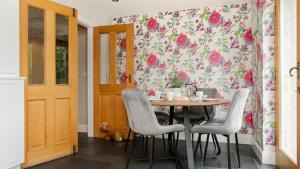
158, 83
205, 53
142, 57
189, 25
172, 37
237, 33
143, 21
189, 64
273, 70
273, 125
202, 15
222, 80
226, 9
159, 47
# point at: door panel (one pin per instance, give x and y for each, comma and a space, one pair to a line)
287, 96
113, 72
120, 114
49, 63
62, 121
36, 119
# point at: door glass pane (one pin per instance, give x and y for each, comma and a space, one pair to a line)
62, 49
104, 59
121, 58
288, 56
35, 46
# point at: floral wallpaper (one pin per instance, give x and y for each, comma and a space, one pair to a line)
264, 125
208, 47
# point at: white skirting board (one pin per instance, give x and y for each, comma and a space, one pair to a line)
16, 167
266, 157
243, 138
82, 128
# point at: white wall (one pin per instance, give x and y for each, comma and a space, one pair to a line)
11, 88
87, 11
9, 38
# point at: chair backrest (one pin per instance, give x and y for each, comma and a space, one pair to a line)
211, 93
140, 114
234, 119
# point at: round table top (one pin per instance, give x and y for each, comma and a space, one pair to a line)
188, 102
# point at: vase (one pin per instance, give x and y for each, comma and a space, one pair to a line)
177, 92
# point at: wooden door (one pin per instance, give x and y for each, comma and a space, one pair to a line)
287, 84
48, 36
113, 72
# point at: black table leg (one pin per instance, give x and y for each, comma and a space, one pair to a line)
171, 117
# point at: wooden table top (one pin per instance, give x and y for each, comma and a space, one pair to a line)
188, 102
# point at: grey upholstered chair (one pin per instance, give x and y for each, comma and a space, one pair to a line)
163, 119
230, 126
142, 120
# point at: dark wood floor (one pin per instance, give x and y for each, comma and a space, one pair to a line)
99, 154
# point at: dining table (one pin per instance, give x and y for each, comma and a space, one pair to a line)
186, 104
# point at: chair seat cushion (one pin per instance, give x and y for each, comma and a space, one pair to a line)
214, 126
163, 118
165, 129
195, 117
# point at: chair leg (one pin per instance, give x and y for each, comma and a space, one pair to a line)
175, 150
177, 138
151, 152
200, 144
206, 145
237, 149
197, 145
164, 142
130, 152
228, 152
127, 140
214, 141
146, 146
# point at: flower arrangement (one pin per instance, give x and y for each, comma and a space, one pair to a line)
177, 79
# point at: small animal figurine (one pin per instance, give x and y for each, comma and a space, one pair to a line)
110, 134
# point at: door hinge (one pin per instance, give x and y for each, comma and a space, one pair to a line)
74, 149
74, 12
129, 78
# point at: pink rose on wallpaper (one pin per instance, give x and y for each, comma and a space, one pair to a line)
182, 40
152, 59
123, 44
248, 36
151, 93
152, 24
248, 118
214, 57
123, 78
182, 76
248, 77
260, 3
214, 18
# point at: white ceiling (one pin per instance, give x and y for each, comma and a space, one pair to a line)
106, 9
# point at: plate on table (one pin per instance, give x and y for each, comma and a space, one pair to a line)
153, 98
211, 99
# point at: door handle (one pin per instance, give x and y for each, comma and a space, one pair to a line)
295, 68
